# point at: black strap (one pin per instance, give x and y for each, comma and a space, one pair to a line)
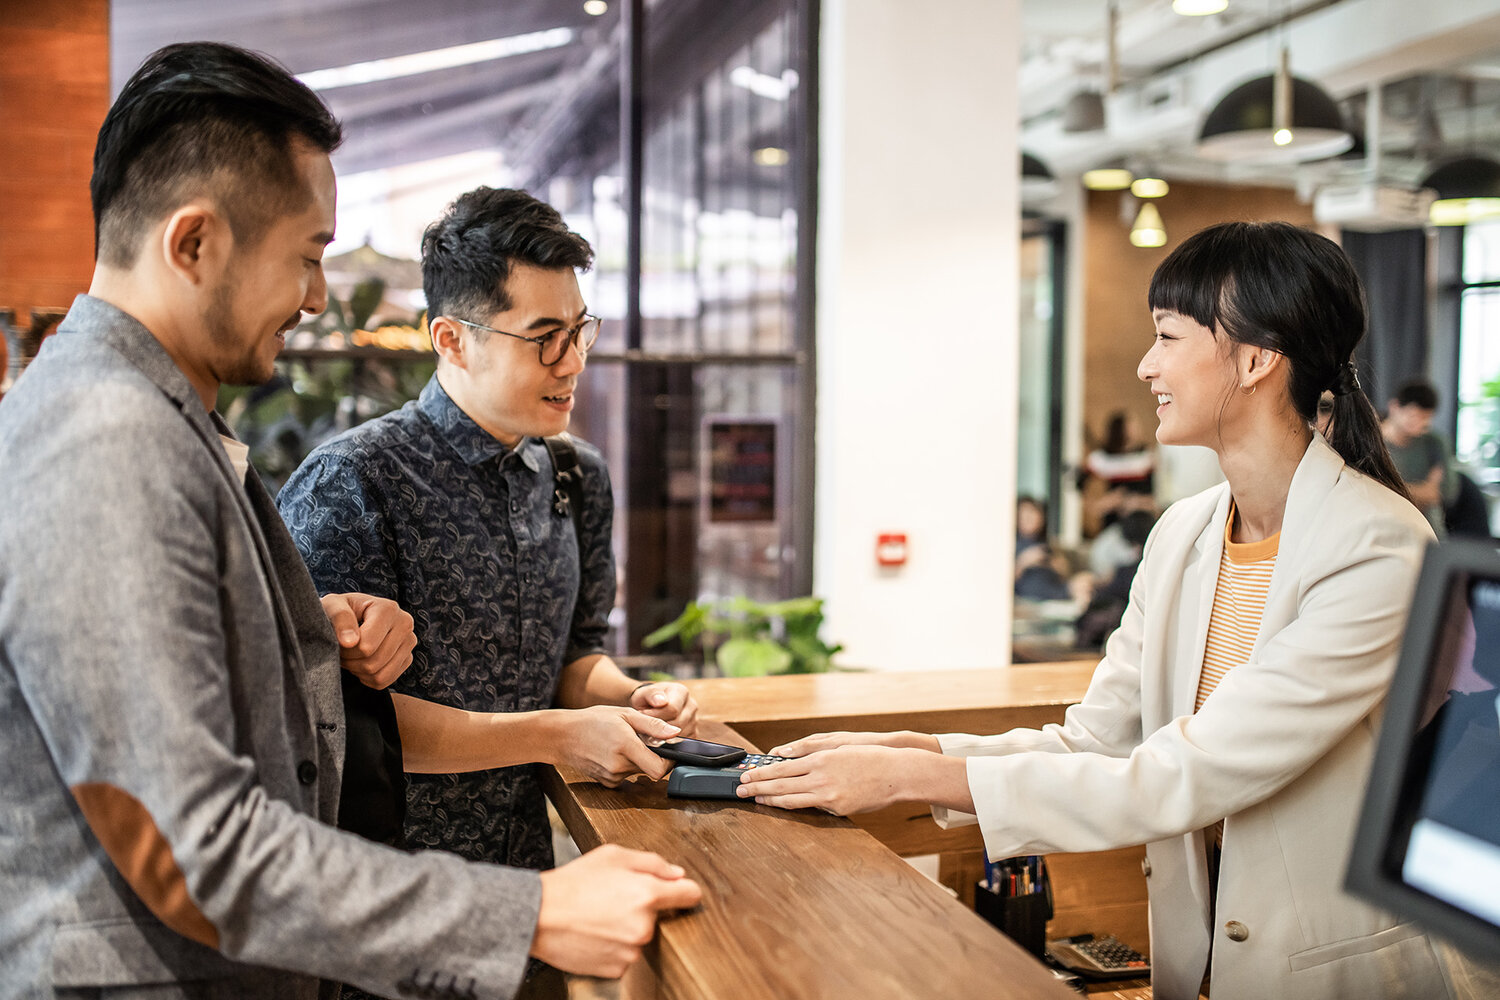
567, 481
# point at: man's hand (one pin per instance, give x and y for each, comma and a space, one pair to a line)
597, 912
669, 701
604, 743
375, 637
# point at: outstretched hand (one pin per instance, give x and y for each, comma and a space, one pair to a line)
604, 743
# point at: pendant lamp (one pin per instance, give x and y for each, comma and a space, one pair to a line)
1274, 119
1110, 177
1036, 180
1149, 230
1467, 189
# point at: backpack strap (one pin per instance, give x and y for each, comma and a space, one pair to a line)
567, 480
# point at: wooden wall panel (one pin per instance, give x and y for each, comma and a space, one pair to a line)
54, 92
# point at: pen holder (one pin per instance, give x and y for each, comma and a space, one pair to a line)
1023, 917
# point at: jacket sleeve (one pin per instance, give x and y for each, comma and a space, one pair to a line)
117, 623
1106, 722
1268, 720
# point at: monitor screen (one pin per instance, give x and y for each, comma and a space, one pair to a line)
1428, 844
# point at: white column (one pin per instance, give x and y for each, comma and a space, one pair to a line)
917, 328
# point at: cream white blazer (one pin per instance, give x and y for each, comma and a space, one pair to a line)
1281, 750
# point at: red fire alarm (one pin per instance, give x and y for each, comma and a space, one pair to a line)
890, 550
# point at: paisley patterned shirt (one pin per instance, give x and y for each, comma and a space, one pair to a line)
425, 507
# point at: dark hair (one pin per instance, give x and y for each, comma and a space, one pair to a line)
1116, 438
202, 117
467, 254
1419, 393
1277, 286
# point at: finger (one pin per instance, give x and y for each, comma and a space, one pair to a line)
796, 767
647, 862
393, 655
678, 894
644, 760
796, 801
343, 619
650, 725
687, 719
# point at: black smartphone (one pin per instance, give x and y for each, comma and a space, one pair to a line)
690, 751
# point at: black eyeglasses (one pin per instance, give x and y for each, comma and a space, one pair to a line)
553, 345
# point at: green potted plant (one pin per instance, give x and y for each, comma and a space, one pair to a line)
753, 639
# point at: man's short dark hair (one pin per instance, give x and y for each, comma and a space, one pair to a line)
203, 118
468, 253
1418, 393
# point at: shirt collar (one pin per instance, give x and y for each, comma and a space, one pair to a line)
473, 443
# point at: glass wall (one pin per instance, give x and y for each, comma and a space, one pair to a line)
698, 391
1477, 437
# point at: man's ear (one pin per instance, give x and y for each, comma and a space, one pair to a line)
447, 341
196, 243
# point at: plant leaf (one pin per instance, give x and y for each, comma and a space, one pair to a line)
752, 658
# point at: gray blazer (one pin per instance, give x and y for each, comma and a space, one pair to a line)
171, 727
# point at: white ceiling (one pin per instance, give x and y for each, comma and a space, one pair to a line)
1173, 69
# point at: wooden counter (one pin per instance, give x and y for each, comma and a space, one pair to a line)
1102, 891
795, 904
799, 904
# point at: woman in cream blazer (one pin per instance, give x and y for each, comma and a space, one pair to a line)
1252, 321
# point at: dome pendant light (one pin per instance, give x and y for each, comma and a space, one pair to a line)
1274, 119
1468, 190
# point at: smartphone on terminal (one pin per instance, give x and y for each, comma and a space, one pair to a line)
690, 751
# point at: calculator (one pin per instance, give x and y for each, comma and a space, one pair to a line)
690, 781
1103, 957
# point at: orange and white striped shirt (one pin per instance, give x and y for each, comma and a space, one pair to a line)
1239, 605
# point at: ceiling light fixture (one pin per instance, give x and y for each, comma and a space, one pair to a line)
414, 63
1084, 112
1199, 8
1149, 230
1467, 189
771, 156
1111, 177
595, 7
1275, 119
1036, 180
1149, 186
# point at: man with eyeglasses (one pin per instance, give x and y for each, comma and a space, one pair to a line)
447, 506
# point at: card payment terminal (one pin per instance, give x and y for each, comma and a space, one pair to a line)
690, 781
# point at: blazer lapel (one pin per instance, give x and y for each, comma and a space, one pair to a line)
1208, 551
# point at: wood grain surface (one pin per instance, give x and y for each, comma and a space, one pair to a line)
796, 904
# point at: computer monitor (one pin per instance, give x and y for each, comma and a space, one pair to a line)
1428, 842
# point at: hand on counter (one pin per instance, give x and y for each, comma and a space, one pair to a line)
604, 743
597, 912
375, 637
860, 777
669, 701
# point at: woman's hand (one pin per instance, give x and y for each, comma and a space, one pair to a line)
827, 741
855, 777
844, 780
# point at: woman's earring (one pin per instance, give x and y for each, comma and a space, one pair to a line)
1250, 393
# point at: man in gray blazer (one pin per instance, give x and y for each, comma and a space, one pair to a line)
170, 719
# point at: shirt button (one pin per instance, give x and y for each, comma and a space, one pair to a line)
307, 772
1236, 931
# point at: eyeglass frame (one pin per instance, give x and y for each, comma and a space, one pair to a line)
574, 333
